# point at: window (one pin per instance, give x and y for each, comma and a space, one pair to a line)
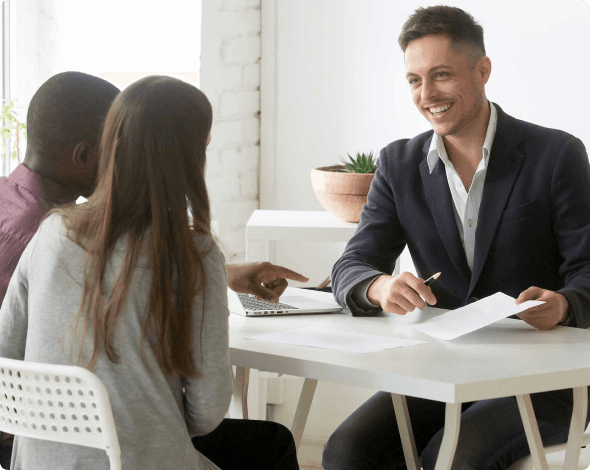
117, 41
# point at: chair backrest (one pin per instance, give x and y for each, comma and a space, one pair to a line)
67, 404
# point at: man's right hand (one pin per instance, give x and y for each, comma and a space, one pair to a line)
400, 294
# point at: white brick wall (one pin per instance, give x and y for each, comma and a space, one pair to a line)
230, 77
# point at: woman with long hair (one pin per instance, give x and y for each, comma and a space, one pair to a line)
132, 287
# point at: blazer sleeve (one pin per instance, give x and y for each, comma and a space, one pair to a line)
570, 192
207, 398
377, 242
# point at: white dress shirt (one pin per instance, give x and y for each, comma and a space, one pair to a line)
466, 203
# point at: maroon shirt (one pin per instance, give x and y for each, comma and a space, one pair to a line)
25, 197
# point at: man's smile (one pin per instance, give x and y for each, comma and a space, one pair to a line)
440, 109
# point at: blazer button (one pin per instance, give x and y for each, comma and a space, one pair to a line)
472, 299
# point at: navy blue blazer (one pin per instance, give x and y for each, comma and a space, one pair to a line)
533, 227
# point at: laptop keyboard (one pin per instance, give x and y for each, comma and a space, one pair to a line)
250, 303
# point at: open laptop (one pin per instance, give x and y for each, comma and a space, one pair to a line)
247, 305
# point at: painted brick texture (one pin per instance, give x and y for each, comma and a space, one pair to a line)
230, 77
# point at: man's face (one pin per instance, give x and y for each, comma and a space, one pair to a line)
445, 89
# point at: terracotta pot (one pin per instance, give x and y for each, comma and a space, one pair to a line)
341, 194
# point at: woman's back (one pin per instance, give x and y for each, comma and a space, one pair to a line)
154, 423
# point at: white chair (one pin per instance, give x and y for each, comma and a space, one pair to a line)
526, 463
57, 403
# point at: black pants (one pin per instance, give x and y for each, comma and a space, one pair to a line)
239, 444
491, 435
5, 455
236, 443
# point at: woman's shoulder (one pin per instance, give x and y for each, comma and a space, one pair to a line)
212, 255
53, 228
53, 222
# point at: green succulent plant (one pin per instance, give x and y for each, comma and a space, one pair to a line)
361, 163
12, 129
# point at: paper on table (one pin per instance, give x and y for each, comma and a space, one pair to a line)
474, 316
337, 340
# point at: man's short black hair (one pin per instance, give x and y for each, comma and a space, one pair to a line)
67, 109
453, 22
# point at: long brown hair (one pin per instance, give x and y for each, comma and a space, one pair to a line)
151, 176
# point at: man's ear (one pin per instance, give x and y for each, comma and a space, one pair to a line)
484, 68
80, 153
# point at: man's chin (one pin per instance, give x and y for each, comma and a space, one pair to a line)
443, 131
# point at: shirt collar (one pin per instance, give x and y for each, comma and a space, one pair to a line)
40, 186
437, 147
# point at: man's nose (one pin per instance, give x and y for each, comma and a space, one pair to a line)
427, 91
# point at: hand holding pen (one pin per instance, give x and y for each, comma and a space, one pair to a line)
402, 294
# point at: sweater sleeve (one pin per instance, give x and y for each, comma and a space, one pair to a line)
12, 250
14, 313
207, 398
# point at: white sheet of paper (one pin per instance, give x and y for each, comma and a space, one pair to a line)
474, 316
337, 340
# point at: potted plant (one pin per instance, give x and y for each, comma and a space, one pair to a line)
342, 189
12, 129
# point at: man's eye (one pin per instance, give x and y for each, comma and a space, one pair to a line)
412, 81
441, 74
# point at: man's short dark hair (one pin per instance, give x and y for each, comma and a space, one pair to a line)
67, 109
453, 22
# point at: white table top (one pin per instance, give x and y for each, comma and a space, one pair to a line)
503, 359
298, 225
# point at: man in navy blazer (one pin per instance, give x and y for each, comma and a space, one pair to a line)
496, 205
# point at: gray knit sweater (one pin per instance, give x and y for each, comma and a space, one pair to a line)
155, 419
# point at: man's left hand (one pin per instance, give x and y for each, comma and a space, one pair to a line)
264, 280
547, 315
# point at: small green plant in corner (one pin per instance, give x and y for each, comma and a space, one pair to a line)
12, 127
361, 163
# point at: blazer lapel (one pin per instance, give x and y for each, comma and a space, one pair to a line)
441, 205
503, 167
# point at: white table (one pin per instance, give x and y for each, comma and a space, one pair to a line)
266, 227
504, 359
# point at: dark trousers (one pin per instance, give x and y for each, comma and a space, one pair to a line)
239, 444
491, 434
5, 455
236, 443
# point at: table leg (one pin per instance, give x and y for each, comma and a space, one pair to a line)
577, 427
302, 411
446, 453
239, 404
531, 430
405, 431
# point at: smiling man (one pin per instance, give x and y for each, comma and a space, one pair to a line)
494, 203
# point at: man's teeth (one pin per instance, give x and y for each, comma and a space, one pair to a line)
440, 109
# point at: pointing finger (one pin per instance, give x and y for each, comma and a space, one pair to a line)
285, 273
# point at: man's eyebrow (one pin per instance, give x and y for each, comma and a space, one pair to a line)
433, 69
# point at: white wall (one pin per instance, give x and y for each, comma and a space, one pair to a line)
336, 79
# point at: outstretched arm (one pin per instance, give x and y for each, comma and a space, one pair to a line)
374, 248
264, 280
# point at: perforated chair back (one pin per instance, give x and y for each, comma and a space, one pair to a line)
67, 404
